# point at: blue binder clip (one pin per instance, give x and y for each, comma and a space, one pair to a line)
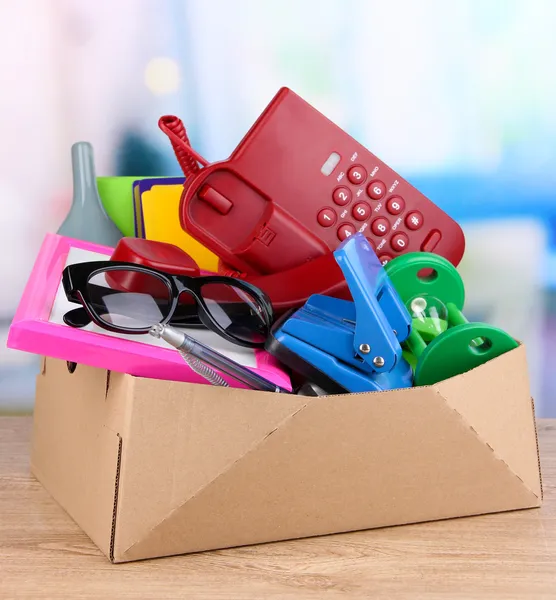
344, 346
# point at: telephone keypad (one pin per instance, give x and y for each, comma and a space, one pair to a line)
414, 220
341, 196
326, 217
345, 230
395, 205
374, 213
361, 211
380, 226
357, 174
399, 242
376, 189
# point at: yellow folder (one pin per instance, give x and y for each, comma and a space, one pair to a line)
157, 218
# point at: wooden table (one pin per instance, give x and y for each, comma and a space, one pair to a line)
43, 554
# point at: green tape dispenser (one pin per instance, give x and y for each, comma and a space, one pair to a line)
442, 342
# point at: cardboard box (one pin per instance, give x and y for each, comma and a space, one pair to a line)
153, 468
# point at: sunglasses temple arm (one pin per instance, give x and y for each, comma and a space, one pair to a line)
78, 317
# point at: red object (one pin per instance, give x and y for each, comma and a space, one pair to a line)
376, 190
276, 184
345, 230
395, 205
341, 196
292, 288
431, 241
414, 220
399, 242
288, 289
187, 158
380, 227
357, 175
326, 217
361, 211
219, 202
157, 255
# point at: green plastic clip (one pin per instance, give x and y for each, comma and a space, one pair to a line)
442, 347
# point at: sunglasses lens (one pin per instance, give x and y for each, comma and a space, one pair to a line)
237, 312
130, 299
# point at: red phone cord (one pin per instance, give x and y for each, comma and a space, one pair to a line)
188, 159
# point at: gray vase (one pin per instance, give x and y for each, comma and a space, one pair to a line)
87, 220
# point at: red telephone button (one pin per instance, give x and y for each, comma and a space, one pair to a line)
361, 211
341, 196
385, 258
326, 217
380, 226
219, 202
357, 175
399, 242
395, 205
431, 241
376, 189
414, 220
344, 231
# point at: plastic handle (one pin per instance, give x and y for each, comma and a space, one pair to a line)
367, 281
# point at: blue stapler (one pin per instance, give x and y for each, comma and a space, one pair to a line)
344, 346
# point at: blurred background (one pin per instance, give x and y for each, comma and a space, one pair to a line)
459, 97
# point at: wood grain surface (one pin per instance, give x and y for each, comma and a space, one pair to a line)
43, 554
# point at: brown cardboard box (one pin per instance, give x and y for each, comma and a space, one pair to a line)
152, 468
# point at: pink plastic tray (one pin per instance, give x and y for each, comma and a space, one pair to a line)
32, 329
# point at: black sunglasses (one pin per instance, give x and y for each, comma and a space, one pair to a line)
128, 298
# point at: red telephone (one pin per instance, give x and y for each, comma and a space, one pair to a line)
295, 187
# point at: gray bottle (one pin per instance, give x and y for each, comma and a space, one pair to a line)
87, 220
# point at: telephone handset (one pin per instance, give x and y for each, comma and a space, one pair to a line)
297, 186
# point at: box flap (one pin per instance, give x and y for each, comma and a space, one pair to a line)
337, 464
179, 438
491, 400
76, 443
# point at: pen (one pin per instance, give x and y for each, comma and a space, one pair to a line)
205, 360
